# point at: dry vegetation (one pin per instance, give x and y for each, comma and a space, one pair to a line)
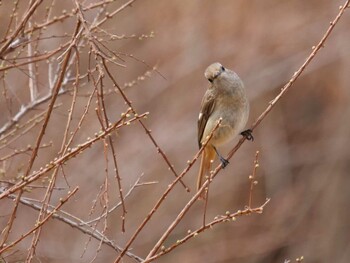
99, 103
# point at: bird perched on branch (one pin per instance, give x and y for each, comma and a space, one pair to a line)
225, 99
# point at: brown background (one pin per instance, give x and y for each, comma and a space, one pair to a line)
303, 143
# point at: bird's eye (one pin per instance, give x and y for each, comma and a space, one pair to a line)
211, 80
222, 68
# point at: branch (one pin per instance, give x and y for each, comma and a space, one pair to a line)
77, 223
71, 153
39, 224
217, 220
20, 27
255, 124
167, 191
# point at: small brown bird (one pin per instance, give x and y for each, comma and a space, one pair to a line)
225, 99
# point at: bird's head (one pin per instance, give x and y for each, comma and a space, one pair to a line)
214, 71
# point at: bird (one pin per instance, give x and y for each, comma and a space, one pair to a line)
224, 99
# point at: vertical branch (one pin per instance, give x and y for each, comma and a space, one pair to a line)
15, 10
51, 105
33, 89
52, 182
6, 231
7, 99
252, 179
102, 109
117, 176
102, 112
44, 126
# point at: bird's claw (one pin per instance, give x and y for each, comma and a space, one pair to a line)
224, 162
248, 134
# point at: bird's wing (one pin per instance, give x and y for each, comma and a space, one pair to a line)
207, 107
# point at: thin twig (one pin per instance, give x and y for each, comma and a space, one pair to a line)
252, 179
52, 181
136, 184
148, 132
39, 224
217, 220
76, 223
20, 27
167, 191
255, 124
71, 153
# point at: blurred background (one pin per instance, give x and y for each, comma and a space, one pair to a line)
303, 143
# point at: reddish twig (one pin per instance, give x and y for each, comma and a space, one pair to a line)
20, 27
52, 181
40, 136
22, 151
109, 16
148, 132
252, 179
70, 154
81, 225
255, 124
217, 220
167, 191
40, 223
303, 66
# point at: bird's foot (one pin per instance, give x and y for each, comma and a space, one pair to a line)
248, 134
224, 162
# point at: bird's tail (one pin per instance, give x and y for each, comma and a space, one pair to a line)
208, 157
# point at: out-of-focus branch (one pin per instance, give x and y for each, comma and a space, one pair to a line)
296, 75
25, 109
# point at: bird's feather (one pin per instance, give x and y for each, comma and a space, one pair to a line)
207, 107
